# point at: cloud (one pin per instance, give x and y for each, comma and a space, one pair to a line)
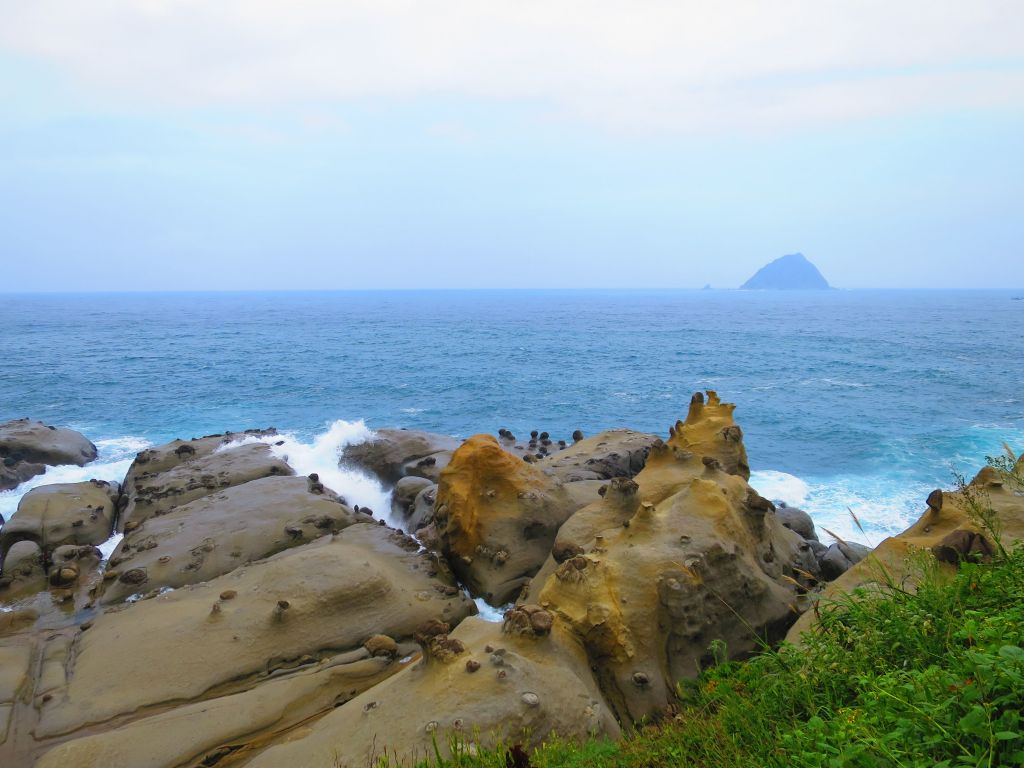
703, 65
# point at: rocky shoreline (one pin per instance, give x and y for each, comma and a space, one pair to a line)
250, 616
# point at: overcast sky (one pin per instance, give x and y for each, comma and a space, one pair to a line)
189, 144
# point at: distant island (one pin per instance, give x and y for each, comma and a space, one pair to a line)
788, 273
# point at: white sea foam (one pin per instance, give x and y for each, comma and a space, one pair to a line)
487, 613
780, 486
321, 455
107, 547
114, 457
884, 505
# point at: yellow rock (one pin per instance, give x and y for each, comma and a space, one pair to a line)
947, 517
497, 516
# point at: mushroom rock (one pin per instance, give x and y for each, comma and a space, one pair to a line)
949, 530
28, 447
683, 554
396, 453
497, 517
503, 686
194, 475
217, 533
709, 430
63, 513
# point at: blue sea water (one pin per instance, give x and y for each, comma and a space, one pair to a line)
848, 399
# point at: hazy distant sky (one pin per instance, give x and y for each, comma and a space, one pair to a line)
200, 144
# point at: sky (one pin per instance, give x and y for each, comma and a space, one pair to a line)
362, 144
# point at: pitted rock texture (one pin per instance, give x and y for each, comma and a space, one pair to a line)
236, 631
614, 453
947, 531
710, 431
62, 513
396, 453
28, 447
151, 490
683, 554
499, 687
496, 516
217, 533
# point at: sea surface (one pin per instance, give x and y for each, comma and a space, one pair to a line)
849, 400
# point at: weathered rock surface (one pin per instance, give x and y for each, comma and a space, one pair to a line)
479, 684
948, 529
24, 570
683, 554
217, 533
62, 513
797, 521
839, 558
396, 453
28, 447
206, 732
497, 516
157, 483
236, 631
403, 497
614, 453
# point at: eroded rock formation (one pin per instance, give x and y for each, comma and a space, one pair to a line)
250, 617
950, 530
27, 448
497, 516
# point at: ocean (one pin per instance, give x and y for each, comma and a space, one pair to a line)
849, 400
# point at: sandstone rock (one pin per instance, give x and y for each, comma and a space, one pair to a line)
381, 645
684, 554
422, 512
224, 530
396, 453
840, 557
339, 590
148, 494
534, 688
205, 732
615, 453
796, 520
24, 571
28, 447
709, 430
160, 458
947, 520
404, 496
63, 513
497, 517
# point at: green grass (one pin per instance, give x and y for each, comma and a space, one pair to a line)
890, 678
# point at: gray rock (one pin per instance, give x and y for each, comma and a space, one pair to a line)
405, 493
148, 495
397, 453
422, 512
28, 447
63, 513
796, 520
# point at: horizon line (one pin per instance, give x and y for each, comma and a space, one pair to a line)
640, 289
